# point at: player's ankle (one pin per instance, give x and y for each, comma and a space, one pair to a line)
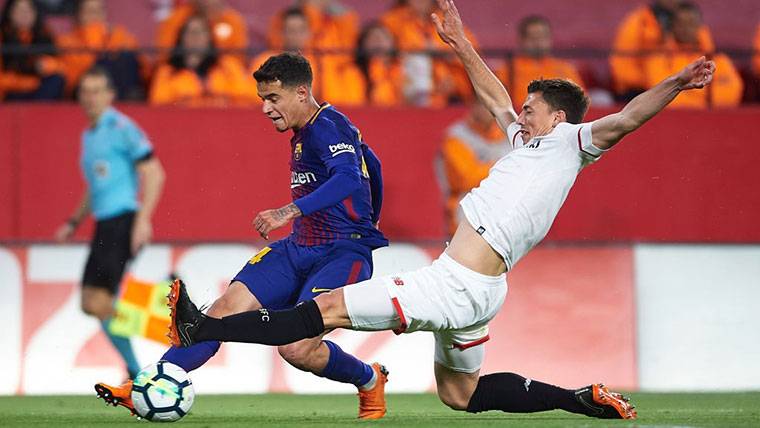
370, 384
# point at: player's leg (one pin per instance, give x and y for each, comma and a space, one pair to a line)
510, 392
346, 263
237, 298
343, 264
246, 292
368, 302
458, 357
268, 276
109, 253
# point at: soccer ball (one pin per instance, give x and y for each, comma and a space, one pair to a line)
162, 392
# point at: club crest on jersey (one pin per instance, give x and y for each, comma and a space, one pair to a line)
398, 281
298, 152
339, 148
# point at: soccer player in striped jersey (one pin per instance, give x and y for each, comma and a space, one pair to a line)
336, 187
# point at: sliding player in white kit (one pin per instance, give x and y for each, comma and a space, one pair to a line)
507, 215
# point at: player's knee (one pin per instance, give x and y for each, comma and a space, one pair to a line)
328, 302
298, 355
97, 303
333, 309
453, 399
235, 300
222, 307
96, 308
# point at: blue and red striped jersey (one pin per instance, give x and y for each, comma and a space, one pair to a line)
330, 148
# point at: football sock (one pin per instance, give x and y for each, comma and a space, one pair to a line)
124, 347
264, 326
513, 393
345, 368
192, 357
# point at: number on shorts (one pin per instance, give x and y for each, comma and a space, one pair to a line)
257, 258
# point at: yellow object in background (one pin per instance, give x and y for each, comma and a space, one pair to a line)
141, 310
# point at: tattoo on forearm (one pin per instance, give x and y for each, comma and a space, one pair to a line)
286, 211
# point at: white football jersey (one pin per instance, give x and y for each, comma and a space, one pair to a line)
515, 205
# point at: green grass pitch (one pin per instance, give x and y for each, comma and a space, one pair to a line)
418, 410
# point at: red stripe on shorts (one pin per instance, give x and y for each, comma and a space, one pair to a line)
354, 274
401, 316
463, 346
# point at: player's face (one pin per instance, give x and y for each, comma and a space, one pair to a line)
282, 105
537, 117
94, 95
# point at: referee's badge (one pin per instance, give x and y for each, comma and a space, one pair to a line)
297, 152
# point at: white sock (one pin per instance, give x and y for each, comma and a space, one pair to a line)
371, 384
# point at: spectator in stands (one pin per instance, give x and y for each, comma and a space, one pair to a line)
29, 69
333, 71
643, 31
113, 48
197, 74
534, 59
295, 37
471, 146
379, 72
680, 49
334, 27
228, 26
428, 81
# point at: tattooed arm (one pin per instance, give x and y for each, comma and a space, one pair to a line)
269, 220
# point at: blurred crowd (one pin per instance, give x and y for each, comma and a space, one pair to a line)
201, 54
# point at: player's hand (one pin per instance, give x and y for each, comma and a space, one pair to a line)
65, 232
696, 75
449, 23
142, 231
269, 220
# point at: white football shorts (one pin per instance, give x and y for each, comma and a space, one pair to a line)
446, 298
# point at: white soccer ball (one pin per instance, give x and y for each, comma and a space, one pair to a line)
162, 392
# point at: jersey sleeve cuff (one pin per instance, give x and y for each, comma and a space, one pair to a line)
585, 145
145, 157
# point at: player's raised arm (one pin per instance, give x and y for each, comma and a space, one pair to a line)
608, 130
488, 88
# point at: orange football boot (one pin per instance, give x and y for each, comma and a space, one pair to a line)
372, 401
117, 395
604, 404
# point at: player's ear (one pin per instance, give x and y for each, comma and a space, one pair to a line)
559, 117
303, 93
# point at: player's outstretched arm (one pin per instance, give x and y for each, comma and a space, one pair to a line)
488, 88
609, 130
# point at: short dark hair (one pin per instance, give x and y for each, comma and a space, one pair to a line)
689, 6
562, 94
291, 69
294, 11
522, 27
100, 71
